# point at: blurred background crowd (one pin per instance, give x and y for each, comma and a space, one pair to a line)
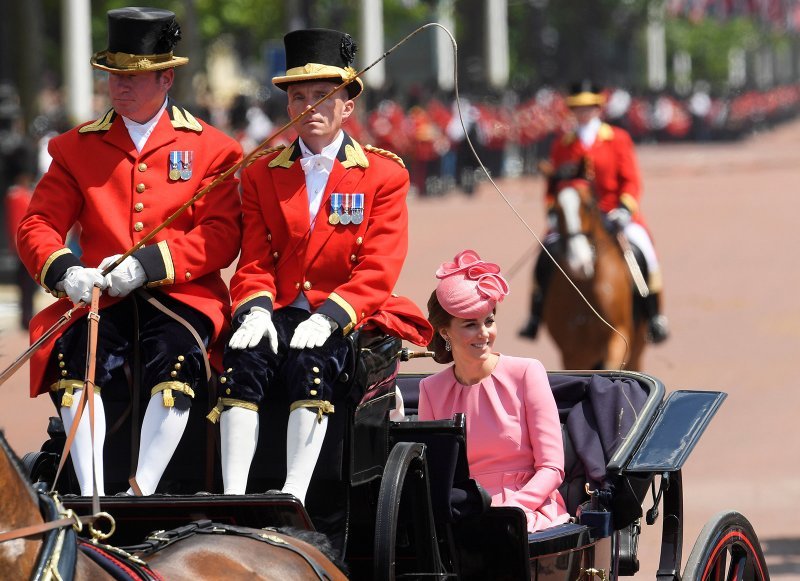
672, 69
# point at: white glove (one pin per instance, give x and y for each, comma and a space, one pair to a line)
257, 324
620, 217
78, 282
126, 277
313, 332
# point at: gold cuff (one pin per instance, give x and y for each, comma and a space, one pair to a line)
323, 407
223, 402
69, 386
167, 387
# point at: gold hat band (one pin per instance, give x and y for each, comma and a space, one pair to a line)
585, 99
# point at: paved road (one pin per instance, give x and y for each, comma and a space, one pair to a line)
725, 220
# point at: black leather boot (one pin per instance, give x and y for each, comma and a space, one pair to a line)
657, 324
531, 328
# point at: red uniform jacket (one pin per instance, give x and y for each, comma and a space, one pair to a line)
346, 271
616, 174
118, 195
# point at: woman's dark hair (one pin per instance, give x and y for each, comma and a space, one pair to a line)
438, 318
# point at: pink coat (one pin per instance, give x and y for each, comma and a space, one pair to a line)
514, 444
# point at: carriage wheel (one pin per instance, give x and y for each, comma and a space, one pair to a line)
727, 548
405, 459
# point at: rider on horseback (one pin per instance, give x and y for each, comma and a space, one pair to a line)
606, 153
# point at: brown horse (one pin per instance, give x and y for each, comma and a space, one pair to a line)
205, 556
594, 261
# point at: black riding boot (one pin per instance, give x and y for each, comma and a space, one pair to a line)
542, 273
657, 324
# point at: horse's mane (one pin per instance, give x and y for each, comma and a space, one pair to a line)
16, 464
319, 541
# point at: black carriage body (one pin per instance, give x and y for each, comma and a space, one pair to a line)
386, 489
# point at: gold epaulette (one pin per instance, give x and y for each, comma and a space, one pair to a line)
385, 153
264, 152
182, 119
102, 124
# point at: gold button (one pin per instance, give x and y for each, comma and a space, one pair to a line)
297, 285
359, 240
138, 226
223, 379
312, 392
182, 358
188, 275
353, 258
275, 255
140, 188
173, 374
307, 285
60, 356
317, 381
228, 391
142, 167
269, 237
177, 366
230, 369
62, 364
139, 207
315, 369
63, 373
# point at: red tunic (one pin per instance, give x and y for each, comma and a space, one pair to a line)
616, 174
118, 195
347, 271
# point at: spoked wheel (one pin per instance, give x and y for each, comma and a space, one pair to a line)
727, 549
405, 484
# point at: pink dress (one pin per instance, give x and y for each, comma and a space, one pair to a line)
514, 444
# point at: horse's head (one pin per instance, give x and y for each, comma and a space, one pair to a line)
578, 219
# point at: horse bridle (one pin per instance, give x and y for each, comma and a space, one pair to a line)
58, 555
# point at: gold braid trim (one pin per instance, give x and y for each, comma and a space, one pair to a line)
322, 406
182, 119
264, 152
284, 158
223, 402
167, 387
385, 153
102, 124
48, 263
69, 386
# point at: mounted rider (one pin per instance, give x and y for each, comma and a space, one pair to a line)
606, 154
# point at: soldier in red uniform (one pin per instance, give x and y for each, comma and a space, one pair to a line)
120, 177
610, 153
325, 237
20, 169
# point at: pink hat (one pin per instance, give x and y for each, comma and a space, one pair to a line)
469, 287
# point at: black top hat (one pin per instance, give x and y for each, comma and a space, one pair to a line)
585, 94
319, 54
140, 40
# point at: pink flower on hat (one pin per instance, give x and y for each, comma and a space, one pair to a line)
470, 287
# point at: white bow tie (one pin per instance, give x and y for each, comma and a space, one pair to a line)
317, 162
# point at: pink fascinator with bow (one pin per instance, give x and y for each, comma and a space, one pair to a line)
469, 288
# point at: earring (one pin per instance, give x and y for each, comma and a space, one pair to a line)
447, 344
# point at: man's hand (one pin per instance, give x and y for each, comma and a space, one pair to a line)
78, 282
256, 325
126, 277
313, 332
619, 217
